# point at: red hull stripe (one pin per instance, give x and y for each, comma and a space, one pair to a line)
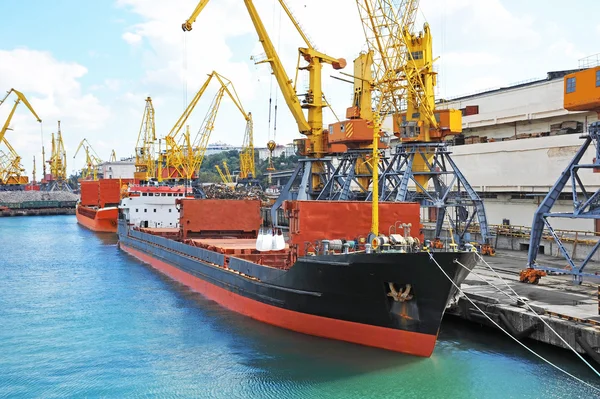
396, 340
102, 223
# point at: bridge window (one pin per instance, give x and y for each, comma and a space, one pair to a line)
154, 210
170, 210
570, 85
136, 210
144, 194
417, 55
145, 210
598, 78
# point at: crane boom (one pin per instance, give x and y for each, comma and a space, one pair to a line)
313, 125
21, 97
284, 82
145, 166
92, 160
184, 156
11, 169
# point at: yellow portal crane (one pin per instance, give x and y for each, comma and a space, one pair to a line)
58, 157
183, 157
316, 144
92, 161
403, 83
145, 162
11, 170
247, 166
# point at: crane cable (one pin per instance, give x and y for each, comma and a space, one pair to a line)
185, 77
506, 332
277, 91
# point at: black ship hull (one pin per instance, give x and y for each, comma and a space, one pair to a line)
394, 301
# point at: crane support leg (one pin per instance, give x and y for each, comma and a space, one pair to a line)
586, 205
420, 163
548, 202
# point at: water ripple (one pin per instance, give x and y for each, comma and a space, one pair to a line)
79, 318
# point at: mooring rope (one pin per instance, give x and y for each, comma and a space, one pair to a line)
539, 316
507, 333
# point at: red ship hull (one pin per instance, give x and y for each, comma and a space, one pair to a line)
103, 220
408, 342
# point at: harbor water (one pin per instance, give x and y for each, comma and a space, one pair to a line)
80, 318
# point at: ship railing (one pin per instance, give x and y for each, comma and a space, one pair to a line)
524, 232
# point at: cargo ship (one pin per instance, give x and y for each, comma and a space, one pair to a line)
326, 279
97, 206
152, 204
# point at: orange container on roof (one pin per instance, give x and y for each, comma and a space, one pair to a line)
110, 191
582, 90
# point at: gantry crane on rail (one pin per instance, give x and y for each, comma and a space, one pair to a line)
404, 83
183, 156
395, 78
581, 93
145, 159
92, 161
11, 170
312, 171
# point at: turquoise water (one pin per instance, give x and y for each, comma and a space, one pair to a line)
79, 318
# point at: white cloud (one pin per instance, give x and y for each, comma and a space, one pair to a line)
481, 44
131, 38
54, 91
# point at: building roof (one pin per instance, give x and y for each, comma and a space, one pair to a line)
549, 76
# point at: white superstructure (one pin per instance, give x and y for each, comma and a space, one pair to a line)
153, 206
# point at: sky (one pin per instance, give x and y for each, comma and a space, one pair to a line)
91, 64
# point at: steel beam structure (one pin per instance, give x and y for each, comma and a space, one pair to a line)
586, 205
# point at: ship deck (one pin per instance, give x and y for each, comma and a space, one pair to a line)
231, 246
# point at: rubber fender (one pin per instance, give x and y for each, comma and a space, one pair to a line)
587, 348
511, 329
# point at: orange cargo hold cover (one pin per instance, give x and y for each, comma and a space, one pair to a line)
209, 217
319, 220
89, 192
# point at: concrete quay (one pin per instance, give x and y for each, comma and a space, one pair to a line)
571, 310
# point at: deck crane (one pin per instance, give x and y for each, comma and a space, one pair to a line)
113, 156
145, 161
314, 169
58, 164
395, 78
184, 156
11, 171
92, 161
